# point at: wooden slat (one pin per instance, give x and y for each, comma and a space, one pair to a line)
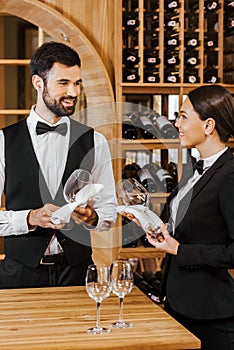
57, 318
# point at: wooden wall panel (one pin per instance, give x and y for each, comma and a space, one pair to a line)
96, 20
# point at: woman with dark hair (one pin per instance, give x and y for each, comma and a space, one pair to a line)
197, 284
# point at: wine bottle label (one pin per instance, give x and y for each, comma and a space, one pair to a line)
171, 78
152, 79
131, 22
171, 60
172, 5
192, 42
162, 121
192, 61
131, 77
131, 58
172, 42
163, 175
192, 79
152, 60
210, 43
212, 6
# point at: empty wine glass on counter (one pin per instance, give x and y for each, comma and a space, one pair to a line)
98, 287
131, 192
122, 284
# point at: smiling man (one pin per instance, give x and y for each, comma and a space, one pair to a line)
37, 156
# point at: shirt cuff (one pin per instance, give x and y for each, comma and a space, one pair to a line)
19, 221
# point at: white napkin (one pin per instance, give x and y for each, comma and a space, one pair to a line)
63, 214
147, 218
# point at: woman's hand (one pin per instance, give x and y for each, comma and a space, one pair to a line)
168, 244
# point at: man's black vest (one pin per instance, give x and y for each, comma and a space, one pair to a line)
25, 188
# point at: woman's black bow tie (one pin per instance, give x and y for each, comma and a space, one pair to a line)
42, 128
198, 165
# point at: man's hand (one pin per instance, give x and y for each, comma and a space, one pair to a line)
85, 215
41, 217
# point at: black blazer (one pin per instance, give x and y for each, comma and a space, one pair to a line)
196, 281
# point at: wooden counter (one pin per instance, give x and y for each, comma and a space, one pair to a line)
57, 318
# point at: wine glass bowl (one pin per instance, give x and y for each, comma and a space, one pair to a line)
76, 181
131, 192
98, 287
122, 284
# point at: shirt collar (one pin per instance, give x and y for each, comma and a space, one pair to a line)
33, 118
208, 162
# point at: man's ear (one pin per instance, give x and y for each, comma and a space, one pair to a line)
37, 82
209, 126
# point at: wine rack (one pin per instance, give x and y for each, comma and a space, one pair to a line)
165, 48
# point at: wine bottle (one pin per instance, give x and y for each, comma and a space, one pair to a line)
129, 131
172, 168
151, 6
212, 22
151, 39
143, 125
130, 39
229, 6
164, 181
147, 180
171, 6
130, 57
151, 58
148, 129
130, 20
165, 127
211, 75
172, 58
191, 76
171, 22
211, 40
212, 58
191, 58
192, 5
191, 40
171, 40
229, 24
130, 170
130, 75
151, 75
171, 76
129, 233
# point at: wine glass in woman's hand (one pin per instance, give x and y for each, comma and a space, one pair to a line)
131, 192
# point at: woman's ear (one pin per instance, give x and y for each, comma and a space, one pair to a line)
37, 82
209, 126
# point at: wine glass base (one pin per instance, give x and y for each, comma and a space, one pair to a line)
98, 330
122, 324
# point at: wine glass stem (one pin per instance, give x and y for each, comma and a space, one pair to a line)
121, 319
98, 315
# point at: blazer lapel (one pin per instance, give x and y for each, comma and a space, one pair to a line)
185, 201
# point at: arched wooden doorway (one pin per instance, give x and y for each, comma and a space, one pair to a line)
97, 85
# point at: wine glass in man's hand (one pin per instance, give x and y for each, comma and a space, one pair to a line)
76, 181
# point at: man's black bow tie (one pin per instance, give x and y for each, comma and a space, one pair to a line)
198, 165
42, 128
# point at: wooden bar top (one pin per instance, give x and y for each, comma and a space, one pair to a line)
57, 318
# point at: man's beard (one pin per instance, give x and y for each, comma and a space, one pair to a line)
56, 106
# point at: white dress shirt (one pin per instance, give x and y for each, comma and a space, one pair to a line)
51, 150
207, 163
